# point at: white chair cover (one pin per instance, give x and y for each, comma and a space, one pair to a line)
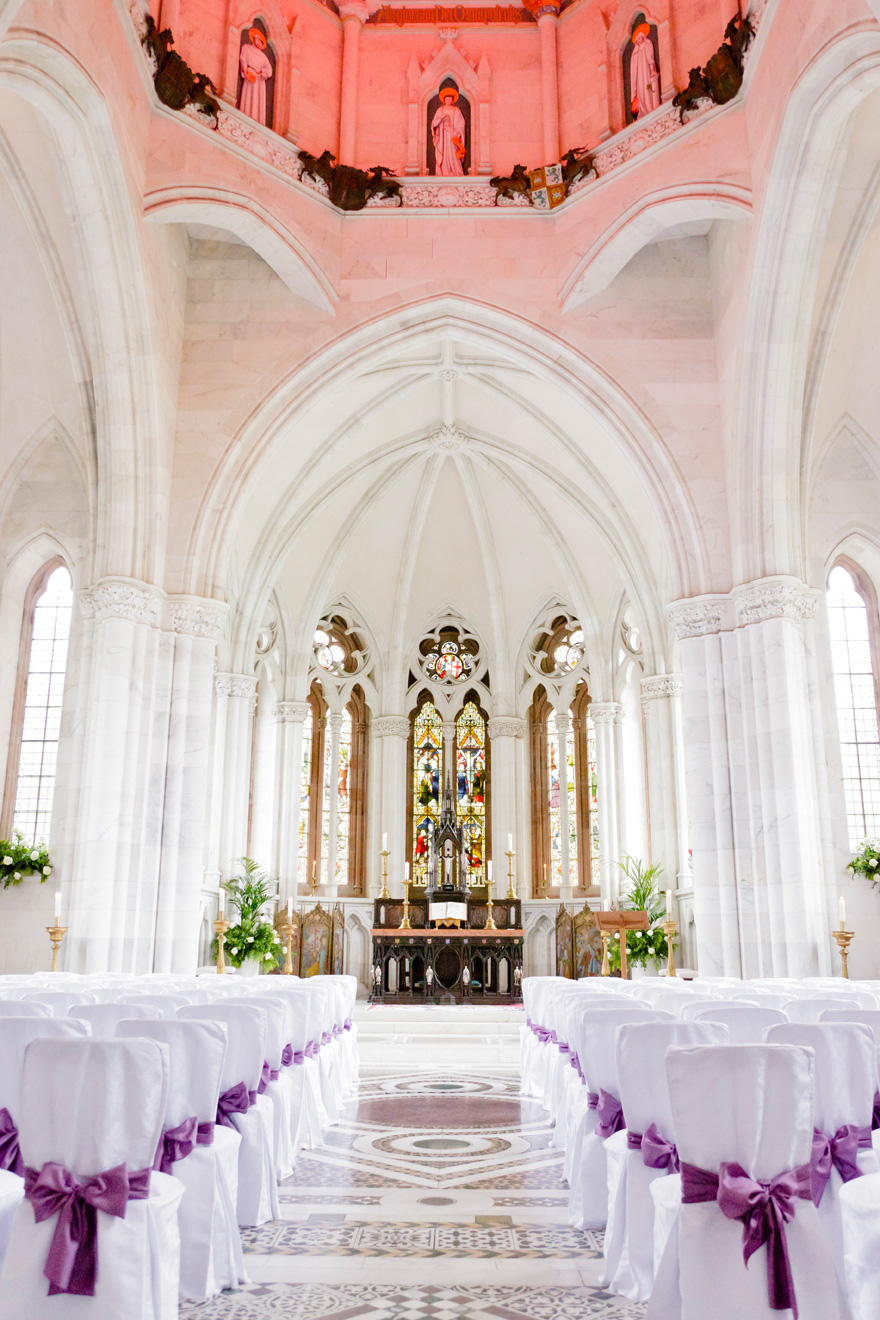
167, 1005
23, 1008
91, 1106
867, 1017
745, 1023
644, 1094
103, 1018
211, 1255
257, 1199
277, 1086
58, 1002
750, 1105
860, 1211
11, 1193
811, 1010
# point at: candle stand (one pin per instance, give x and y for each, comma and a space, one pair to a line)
56, 935
287, 929
844, 938
490, 920
511, 889
221, 926
384, 890
405, 923
670, 928
606, 966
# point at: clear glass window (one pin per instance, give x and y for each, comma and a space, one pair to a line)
856, 705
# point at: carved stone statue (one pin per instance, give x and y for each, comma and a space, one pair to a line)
448, 134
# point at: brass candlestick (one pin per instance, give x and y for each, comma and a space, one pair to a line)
670, 928
384, 890
843, 938
56, 935
511, 891
405, 923
221, 926
605, 969
287, 928
490, 920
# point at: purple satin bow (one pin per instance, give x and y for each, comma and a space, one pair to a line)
764, 1208
657, 1152
178, 1142
347, 1024
312, 1049
72, 1263
875, 1117
326, 1038
10, 1155
234, 1101
840, 1152
265, 1078
542, 1033
287, 1056
610, 1114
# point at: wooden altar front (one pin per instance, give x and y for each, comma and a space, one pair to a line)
429, 964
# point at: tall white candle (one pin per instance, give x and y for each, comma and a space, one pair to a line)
289, 909
384, 842
489, 869
406, 873
842, 906
221, 903
57, 907
510, 843
669, 905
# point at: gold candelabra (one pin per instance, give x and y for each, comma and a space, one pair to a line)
405, 923
385, 854
490, 920
670, 928
844, 938
606, 966
511, 890
287, 928
56, 935
221, 926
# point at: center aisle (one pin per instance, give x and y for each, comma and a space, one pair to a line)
437, 1196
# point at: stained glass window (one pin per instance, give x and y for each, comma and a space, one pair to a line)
47, 662
427, 785
450, 662
856, 705
304, 802
470, 791
343, 800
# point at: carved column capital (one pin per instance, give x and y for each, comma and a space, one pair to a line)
661, 686
506, 726
334, 722
235, 685
359, 9
391, 726
122, 598
448, 730
197, 617
563, 724
291, 712
606, 712
774, 598
697, 617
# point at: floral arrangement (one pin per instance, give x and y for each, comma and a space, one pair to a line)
18, 859
867, 862
252, 936
643, 895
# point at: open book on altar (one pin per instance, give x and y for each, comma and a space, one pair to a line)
447, 912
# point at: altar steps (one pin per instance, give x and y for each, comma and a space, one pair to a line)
448, 1036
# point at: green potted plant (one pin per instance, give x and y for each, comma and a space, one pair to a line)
18, 859
646, 950
866, 862
252, 943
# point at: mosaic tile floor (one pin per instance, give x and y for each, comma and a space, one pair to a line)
436, 1197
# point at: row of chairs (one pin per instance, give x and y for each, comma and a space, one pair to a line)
144, 1121
698, 1133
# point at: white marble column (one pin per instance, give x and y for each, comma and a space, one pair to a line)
505, 736
563, 734
290, 717
757, 801
354, 13
547, 15
237, 694
667, 813
393, 733
334, 724
606, 715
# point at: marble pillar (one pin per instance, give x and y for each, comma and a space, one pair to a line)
758, 810
506, 735
334, 725
547, 16
290, 717
237, 697
392, 731
563, 738
606, 716
664, 757
354, 14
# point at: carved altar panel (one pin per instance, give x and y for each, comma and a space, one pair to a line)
564, 943
586, 944
338, 945
317, 943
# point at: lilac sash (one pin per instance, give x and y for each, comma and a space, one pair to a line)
268, 1075
312, 1049
178, 1142
234, 1101
562, 1046
875, 1119
764, 1209
347, 1024
542, 1033
287, 1056
72, 1263
326, 1038
840, 1152
10, 1155
608, 1111
657, 1152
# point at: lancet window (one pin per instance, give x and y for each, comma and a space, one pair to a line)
472, 788
856, 693
37, 717
565, 796
333, 785
427, 782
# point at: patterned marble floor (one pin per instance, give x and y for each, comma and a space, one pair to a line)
437, 1197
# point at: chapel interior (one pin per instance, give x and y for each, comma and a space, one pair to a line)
439, 660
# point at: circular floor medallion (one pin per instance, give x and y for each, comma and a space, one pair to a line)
441, 1143
436, 1200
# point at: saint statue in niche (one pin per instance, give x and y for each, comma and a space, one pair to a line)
256, 74
448, 131
641, 70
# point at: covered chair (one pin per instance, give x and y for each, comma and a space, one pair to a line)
23, 1008
747, 1243
274, 1082
746, 1023
91, 1116
242, 1108
59, 1002
201, 1153
103, 1018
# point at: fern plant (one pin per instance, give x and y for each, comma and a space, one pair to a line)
642, 895
252, 936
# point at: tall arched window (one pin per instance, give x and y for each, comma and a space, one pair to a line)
471, 790
856, 692
577, 782
37, 718
427, 784
323, 785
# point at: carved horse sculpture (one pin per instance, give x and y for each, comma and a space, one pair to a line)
722, 77
511, 185
349, 188
176, 84
575, 164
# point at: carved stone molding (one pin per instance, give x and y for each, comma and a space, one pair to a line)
661, 686
506, 726
122, 598
236, 685
774, 599
448, 730
563, 724
198, 618
697, 618
291, 712
605, 712
449, 439
334, 722
391, 726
